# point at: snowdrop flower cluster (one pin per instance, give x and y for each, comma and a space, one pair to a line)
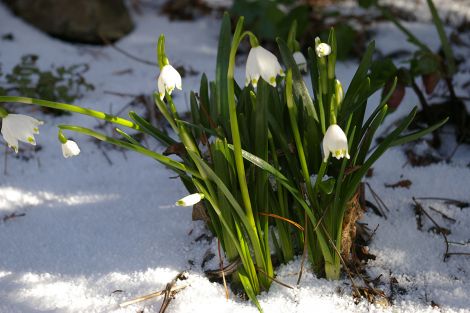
168, 80
322, 49
19, 127
264, 64
335, 142
70, 149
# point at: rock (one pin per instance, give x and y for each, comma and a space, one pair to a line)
76, 20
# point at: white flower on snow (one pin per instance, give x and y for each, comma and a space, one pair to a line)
322, 50
190, 200
335, 141
262, 63
70, 148
19, 127
168, 80
300, 60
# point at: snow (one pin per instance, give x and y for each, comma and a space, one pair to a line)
98, 232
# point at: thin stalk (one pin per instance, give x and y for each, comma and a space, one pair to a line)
72, 108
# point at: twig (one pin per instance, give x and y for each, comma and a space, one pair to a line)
420, 208
461, 204
304, 253
273, 279
221, 264
458, 253
380, 203
127, 54
120, 94
151, 295
445, 216
283, 219
229, 269
168, 293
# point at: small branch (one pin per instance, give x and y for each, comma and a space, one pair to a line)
127, 54
151, 295
283, 219
221, 263
420, 208
273, 279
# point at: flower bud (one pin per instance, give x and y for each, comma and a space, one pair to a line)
190, 200
322, 49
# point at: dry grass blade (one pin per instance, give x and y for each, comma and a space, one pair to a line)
229, 269
221, 263
150, 296
168, 294
273, 279
283, 219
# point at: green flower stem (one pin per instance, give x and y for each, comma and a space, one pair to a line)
3, 113
237, 147
72, 108
161, 56
160, 158
61, 137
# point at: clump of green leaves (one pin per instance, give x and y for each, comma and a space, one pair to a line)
62, 84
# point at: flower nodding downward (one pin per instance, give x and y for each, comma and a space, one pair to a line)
19, 127
335, 141
264, 64
70, 149
168, 80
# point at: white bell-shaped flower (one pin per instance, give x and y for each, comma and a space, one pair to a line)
70, 149
190, 200
264, 64
19, 127
300, 60
322, 50
335, 142
168, 80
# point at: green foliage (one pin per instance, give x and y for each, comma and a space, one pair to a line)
269, 19
58, 84
256, 154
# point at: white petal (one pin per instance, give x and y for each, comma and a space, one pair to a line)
336, 142
21, 127
168, 80
262, 63
10, 139
70, 148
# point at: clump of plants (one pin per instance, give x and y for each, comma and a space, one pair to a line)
63, 83
265, 161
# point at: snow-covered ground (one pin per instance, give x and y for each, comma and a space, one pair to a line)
102, 228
